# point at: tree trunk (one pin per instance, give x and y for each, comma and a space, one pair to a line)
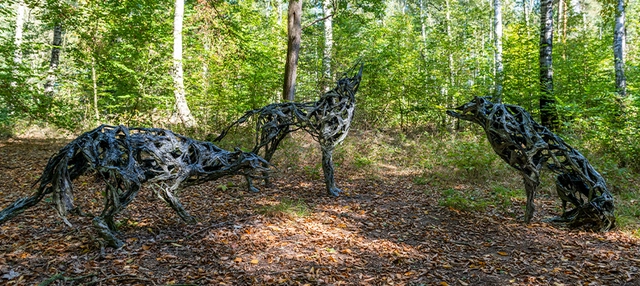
547, 113
55, 60
423, 26
618, 50
178, 78
94, 78
17, 55
293, 49
447, 91
328, 44
497, 10
17, 40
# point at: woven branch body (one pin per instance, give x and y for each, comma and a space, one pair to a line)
125, 159
327, 120
528, 147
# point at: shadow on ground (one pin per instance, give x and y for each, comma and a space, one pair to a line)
383, 230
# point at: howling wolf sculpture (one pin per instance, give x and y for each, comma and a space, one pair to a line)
528, 147
125, 159
327, 120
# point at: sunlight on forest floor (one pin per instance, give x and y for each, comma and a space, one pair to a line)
416, 210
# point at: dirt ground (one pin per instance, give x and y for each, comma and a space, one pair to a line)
382, 231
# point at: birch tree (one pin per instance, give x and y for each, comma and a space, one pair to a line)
178, 76
17, 40
294, 28
497, 29
619, 49
54, 61
547, 115
328, 43
20, 14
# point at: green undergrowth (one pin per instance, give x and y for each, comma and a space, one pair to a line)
286, 207
460, 168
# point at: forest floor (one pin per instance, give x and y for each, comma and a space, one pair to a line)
386, 229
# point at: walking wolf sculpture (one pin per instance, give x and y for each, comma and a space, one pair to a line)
528, 147
327, 120
125, 159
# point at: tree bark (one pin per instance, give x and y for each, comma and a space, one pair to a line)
618, 50
328, 44
55, 60
17, 40
294, 28
17, 55
547, 113
447, 88
497, 10
94, 78
178, 77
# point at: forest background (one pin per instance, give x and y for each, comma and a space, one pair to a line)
421, 57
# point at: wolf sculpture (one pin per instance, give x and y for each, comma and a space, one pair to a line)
125, 159
528, 147
327, 120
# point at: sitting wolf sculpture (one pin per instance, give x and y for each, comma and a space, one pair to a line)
125, 159
528, 147
327, 120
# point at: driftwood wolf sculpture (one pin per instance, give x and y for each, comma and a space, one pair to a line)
327, 120
125, 159
528, 147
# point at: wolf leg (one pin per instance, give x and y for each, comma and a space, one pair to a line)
327, 168
531, 183
175, 204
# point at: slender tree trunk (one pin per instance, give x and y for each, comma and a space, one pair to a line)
293, 49
547, 113
20, 14
328, 43
619, 50
446, 90
497, 10
279, 3
94, 78
17, 40
55, 60
178, 77
423, 26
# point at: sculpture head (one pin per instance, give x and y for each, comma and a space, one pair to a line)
249, 161
348, 86
473, 110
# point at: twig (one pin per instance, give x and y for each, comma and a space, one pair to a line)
316, 21
126, 276
205, 229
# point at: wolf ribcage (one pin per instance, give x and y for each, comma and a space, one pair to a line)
528, 147
125, 158
327, 120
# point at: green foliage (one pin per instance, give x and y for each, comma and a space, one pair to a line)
313, 172
287, 207
463, 200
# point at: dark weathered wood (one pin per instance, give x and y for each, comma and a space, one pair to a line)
528, 147
327, 120
125, 159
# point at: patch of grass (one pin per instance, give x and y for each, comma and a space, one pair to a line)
313, 172
361, 162
420, 180
502, 196
628, 212
288, 208
461, 200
